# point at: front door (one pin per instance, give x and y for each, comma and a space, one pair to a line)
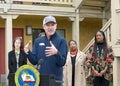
2, 51
16, 32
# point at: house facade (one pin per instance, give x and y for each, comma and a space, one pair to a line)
76, 19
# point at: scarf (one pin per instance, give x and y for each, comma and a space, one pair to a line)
74, 52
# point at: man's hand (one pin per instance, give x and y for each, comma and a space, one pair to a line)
27, 47
51, 50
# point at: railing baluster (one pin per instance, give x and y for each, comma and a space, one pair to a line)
65, 1
51, 0
107, 31
68, 2
60, 0
110, 33
57, 0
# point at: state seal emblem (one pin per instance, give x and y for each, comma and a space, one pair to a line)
27, 75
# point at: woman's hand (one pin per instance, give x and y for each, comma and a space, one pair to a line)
96, 73
102, 72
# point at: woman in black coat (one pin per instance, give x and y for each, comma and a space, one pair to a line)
16, 58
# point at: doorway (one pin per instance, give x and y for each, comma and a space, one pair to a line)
16, 32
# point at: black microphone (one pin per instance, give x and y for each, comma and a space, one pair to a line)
40, 62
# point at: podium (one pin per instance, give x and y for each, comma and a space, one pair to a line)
49, 80
27, 75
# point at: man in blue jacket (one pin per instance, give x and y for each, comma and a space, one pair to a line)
51, 48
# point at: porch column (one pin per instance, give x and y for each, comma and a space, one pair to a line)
115, 38
8, 37
75, 28
116, 66
115, 27
104, 20
106, 13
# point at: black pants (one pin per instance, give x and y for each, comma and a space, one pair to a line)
100, 81
11, 80
12, 83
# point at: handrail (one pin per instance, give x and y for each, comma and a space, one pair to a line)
104, 29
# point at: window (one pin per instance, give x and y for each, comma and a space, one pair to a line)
37, 32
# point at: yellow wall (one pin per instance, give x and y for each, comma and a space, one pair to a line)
67, 25
88, 27
2, 23
36, 22
22, 21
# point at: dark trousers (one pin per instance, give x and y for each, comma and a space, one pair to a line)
11, 80
12, 83
100, 81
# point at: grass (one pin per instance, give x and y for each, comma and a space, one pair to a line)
3, 84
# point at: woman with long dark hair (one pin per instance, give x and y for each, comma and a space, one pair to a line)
16, 58
100, 59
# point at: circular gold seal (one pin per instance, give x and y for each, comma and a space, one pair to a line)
27, 75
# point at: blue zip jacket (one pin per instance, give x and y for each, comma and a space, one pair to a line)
53, 65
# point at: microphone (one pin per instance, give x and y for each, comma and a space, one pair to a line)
40, 62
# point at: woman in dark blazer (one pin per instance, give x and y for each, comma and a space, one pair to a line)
16, 58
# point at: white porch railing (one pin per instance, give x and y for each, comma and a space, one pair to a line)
2, 1
107, 30
68, 2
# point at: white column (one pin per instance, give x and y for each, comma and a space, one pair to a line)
8, 38
73, 28
76, 28
106, 13
116, 66
115, 35
115, 21
104, 20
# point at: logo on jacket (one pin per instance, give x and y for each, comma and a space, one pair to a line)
41, 44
